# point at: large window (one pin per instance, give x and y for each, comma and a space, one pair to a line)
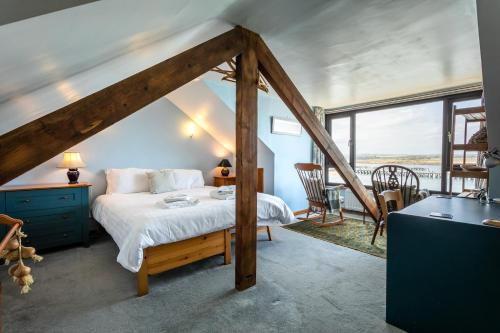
410, 136
340, 130
414, 135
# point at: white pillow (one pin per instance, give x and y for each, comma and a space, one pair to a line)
186, 179
161, 181
129, 180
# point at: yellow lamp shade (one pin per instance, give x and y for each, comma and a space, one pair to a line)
71, 160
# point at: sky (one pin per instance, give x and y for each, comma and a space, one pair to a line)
408, 130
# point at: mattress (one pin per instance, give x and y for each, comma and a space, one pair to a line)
136, 221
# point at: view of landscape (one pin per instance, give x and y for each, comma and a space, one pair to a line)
410, 136
427, 168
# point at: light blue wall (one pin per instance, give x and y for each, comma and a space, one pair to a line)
154, 137
287, 149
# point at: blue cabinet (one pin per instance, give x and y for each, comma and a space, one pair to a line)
53, 215
442, 274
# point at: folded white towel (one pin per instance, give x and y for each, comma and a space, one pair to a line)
176, 198
229, 188
177, 204
222, 195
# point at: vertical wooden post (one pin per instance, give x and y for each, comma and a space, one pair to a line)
246, 165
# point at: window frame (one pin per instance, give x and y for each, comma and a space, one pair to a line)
446, 128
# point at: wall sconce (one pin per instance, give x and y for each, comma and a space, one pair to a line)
191, 130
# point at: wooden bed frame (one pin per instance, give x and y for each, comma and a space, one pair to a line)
162, 258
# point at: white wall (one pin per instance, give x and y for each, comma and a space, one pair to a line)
488, 12
154, 137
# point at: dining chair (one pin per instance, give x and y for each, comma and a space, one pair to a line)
311, 176
395, 177
385, 199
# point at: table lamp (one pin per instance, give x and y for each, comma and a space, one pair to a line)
225, 165
72, 161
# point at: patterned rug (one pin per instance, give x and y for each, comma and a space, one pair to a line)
353, 234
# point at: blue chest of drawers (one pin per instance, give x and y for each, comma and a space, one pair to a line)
53, 215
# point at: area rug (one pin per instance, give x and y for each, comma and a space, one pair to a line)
353, 234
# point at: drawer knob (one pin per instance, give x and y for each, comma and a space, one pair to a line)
27, 221
63, 198
26, 201
65, 235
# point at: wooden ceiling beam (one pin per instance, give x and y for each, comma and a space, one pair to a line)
36, 142
247, 78
284, 87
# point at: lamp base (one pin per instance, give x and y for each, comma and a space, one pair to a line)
73, 175
224, 172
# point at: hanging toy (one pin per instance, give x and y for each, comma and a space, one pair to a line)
14, 251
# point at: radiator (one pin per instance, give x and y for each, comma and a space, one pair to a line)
351, 202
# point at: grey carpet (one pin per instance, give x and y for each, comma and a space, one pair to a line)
303, 285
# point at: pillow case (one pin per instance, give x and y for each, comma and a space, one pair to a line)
130, 180
186, 178
161, 181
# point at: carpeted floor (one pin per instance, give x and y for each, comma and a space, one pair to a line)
303, 285
353, 234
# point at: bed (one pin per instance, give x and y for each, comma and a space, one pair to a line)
152, 239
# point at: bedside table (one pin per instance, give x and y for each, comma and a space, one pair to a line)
224, 181
53, 214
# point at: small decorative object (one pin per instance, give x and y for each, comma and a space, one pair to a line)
15, 251
483, 196
472, 167
285, 126
72, 161
492, 158
224, 164
230, 75
481, 136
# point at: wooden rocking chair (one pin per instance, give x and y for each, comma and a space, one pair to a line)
311, 176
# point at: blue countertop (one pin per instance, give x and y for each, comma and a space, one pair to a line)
464, 210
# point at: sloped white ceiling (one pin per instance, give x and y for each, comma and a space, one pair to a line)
52, 47
338, 52
21, 109
345, 52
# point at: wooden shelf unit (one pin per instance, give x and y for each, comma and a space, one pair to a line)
471, 115
470, 174
471, 147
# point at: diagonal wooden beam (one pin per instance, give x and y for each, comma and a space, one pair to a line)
283, 85
247, 78
36, 142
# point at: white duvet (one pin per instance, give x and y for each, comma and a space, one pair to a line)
136, 222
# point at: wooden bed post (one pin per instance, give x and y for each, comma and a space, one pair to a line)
227, 246
246, 165
142, 277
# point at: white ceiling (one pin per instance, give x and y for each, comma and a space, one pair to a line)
339, 52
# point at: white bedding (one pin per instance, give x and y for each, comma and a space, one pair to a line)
135, 221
